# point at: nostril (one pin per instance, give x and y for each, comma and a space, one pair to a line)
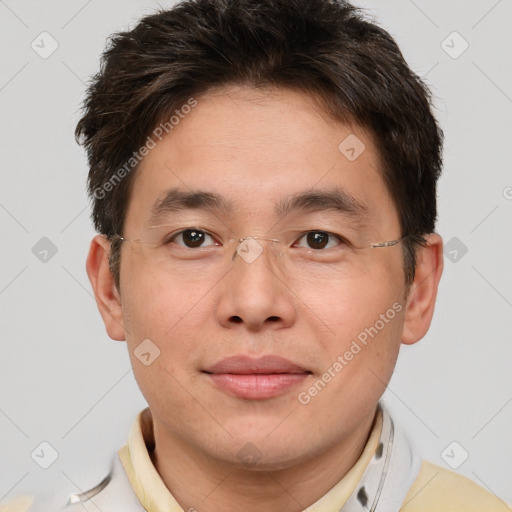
238, 320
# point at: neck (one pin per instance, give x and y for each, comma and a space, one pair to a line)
200, 482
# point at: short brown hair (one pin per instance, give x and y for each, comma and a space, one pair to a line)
324, 47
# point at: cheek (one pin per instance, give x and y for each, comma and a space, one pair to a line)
360, 320
154, 304
350, 305
168, 312
170, 316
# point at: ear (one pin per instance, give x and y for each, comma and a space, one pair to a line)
422, 295
107, 296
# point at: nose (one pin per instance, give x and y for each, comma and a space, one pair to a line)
254, 293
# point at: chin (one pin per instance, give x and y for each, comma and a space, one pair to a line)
270, 457
259, 451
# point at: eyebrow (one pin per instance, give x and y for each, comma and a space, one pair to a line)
176, 200
336, 199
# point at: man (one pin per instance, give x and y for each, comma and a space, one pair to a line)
263, 177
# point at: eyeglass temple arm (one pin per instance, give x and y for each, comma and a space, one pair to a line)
388, 243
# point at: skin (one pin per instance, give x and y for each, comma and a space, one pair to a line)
256, 147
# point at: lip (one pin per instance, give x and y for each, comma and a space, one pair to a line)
256, 378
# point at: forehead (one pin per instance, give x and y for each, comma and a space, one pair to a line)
257, 148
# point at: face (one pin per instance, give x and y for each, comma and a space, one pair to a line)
335, 313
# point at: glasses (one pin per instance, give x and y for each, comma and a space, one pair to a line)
197, 253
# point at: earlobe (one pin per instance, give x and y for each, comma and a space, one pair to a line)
423, 293
105, 291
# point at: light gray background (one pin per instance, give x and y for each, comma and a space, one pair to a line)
65, 382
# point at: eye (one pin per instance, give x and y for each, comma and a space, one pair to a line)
191, 238
318, 240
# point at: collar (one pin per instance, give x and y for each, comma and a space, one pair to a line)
156, 497
392, 471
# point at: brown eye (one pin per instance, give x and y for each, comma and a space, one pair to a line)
319, 240
191, 238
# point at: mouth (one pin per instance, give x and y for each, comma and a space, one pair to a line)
256, 379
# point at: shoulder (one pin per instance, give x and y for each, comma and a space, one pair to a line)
440, 489
18, 504
113, 493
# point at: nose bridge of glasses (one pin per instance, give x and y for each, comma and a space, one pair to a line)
249, 248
